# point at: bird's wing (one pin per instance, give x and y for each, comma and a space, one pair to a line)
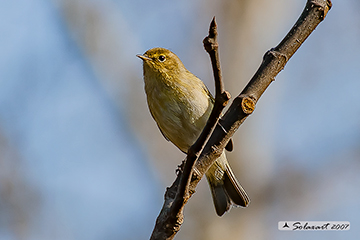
229, 147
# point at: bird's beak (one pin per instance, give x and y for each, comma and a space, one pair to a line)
143, 57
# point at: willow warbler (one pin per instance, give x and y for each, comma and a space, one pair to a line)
180, 103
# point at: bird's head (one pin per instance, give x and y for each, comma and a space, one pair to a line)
161, 61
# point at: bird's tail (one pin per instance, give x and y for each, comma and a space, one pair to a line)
225, 189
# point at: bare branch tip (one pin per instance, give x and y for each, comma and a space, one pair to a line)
321, 3
213, 23
213, 28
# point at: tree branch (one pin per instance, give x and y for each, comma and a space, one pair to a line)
171, 216
273, 62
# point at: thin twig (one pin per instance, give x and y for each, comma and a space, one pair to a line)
211, 46
175, 213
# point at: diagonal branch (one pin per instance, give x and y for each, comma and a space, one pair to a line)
171, 216
273, 62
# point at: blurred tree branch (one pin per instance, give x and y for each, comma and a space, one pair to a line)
171, 216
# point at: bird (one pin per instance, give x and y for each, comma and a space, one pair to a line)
181, 104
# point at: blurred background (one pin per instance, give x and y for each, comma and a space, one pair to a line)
81, 157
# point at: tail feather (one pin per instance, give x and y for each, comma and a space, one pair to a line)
225, 189
221, 199
233, 188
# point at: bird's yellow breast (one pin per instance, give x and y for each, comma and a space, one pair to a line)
179, 107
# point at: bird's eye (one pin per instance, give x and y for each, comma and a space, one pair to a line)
162, 58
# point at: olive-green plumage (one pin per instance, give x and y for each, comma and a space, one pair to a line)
180, 103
